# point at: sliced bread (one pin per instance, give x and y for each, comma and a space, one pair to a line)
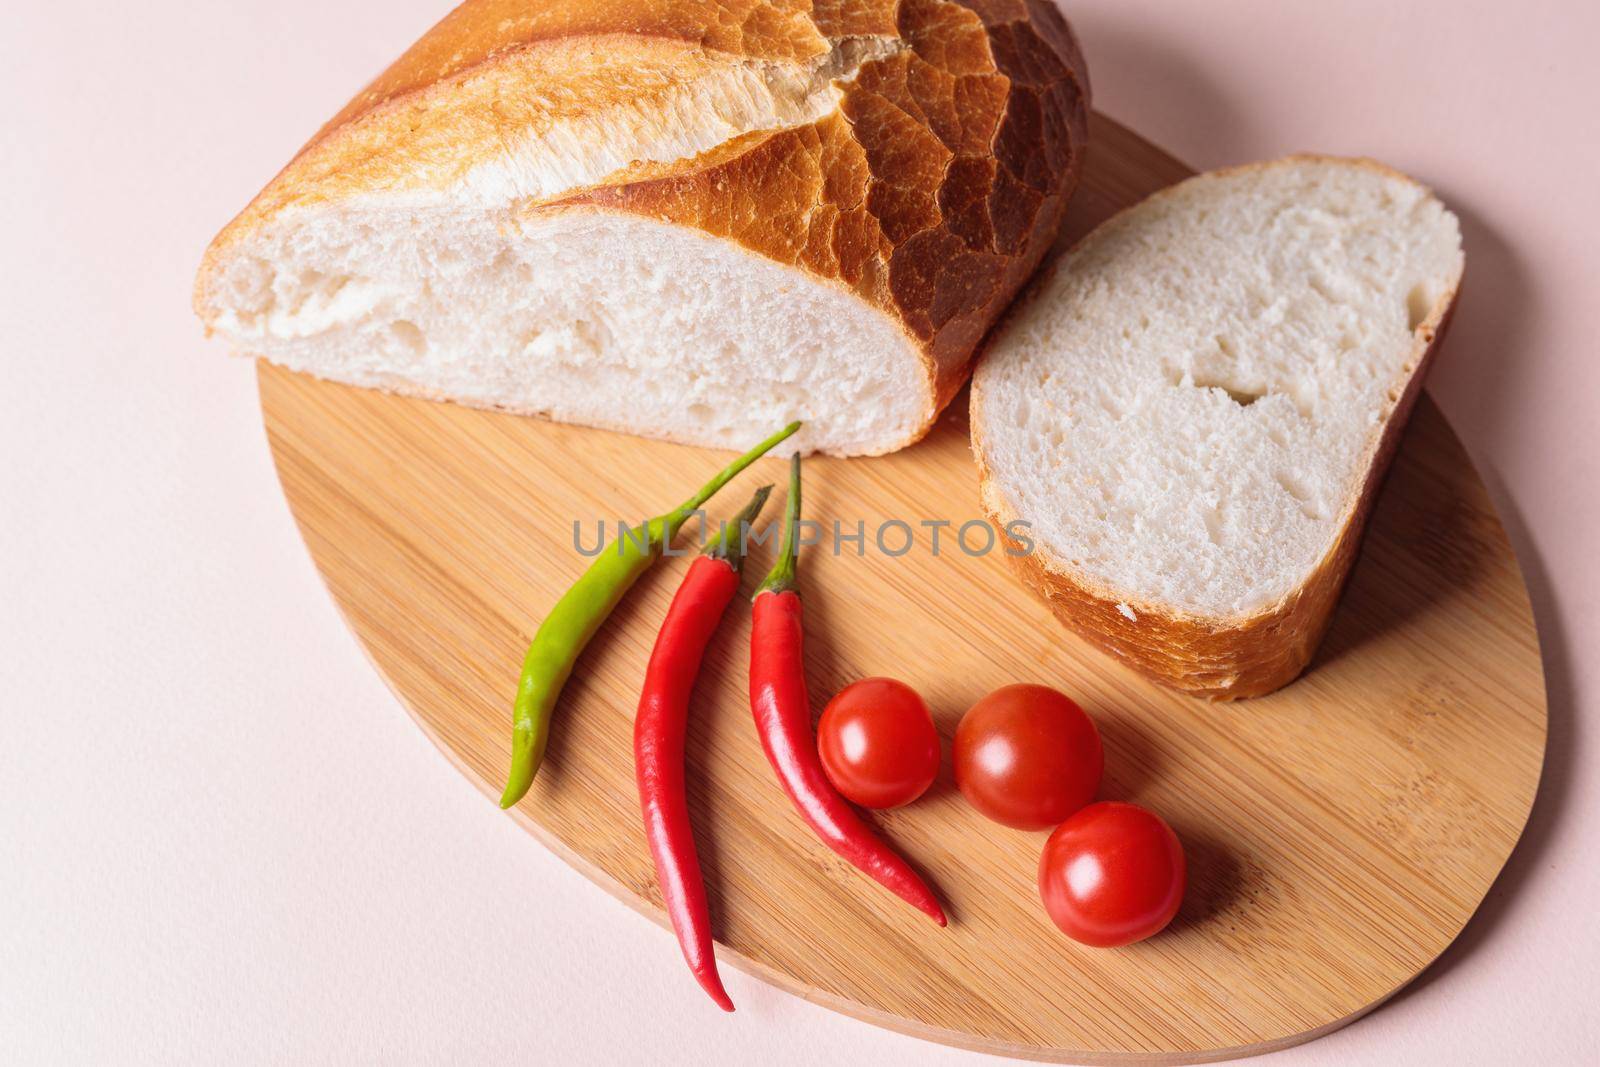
1193, 411
684, 219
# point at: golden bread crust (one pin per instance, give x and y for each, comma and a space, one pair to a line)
930, 189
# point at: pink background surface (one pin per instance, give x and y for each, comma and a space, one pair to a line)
219, 836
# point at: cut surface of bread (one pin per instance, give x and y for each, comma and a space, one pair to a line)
448, 307
683, 219
1192, 411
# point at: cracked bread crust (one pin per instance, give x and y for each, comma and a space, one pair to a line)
930, 189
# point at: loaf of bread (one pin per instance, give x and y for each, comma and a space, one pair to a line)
1194, 410
692, 219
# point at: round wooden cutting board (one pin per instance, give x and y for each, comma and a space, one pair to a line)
1339, 832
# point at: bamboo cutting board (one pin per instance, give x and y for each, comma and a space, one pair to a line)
1339, 833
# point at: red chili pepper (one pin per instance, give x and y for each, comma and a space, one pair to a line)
658, 734
782, 709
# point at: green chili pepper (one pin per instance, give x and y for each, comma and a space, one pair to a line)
580, 611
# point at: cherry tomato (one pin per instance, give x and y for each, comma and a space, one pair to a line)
1027, 756
1112, 874
878, 744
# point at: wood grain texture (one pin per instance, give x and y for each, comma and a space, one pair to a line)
1339, 832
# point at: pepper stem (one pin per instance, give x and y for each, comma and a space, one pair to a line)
781, 578
664, 528
728, 546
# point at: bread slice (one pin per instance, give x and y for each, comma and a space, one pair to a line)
688, 219
1194, 410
